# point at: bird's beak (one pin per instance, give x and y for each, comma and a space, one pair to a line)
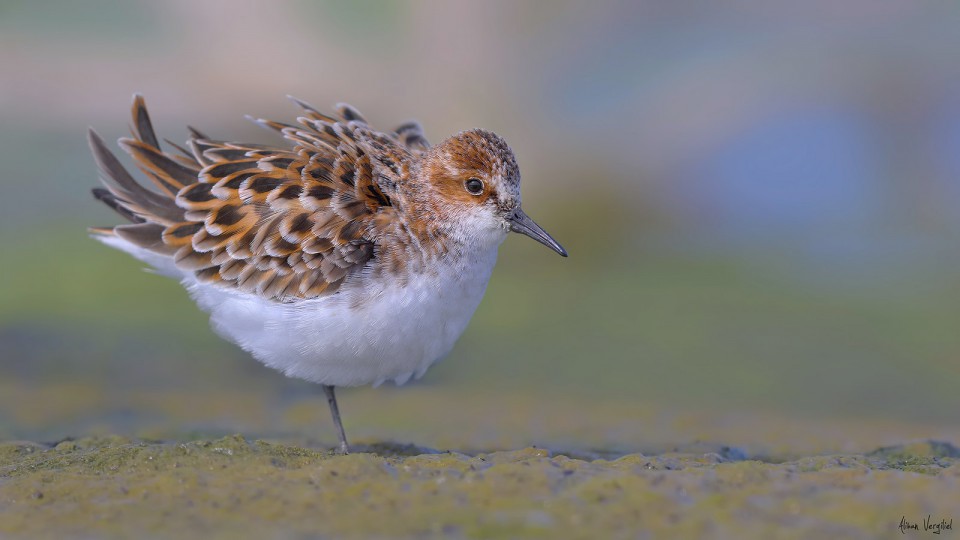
521, 223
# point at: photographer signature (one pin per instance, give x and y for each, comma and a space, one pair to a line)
928, 525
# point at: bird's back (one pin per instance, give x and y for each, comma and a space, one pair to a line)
284, 224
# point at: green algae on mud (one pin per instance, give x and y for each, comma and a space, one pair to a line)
117, 487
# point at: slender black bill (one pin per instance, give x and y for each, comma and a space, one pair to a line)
521, 223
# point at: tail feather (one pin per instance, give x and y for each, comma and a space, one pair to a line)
149, 236
149, 211
143, 127
167, 173
104, 195
127, 192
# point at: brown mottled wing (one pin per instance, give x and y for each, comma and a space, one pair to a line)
285, 224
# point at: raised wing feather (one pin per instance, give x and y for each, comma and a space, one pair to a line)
283, 223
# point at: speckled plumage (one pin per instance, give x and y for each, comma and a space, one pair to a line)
351, 257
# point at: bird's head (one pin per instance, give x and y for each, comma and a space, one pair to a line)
474, 182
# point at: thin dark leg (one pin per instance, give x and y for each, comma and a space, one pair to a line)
335, 411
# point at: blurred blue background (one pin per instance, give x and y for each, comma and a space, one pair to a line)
760, 201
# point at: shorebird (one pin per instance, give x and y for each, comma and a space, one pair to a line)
349, 257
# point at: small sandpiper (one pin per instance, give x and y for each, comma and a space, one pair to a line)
349, 257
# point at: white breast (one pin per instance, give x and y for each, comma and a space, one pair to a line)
367, 333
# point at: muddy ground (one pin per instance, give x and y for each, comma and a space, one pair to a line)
231, 487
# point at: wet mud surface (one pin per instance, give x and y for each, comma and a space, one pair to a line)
115, 487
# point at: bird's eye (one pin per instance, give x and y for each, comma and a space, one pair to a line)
474, 186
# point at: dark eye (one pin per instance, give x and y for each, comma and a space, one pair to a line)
474, 186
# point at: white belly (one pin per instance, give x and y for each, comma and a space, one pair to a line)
362, 335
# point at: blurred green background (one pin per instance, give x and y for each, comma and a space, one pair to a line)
760, 203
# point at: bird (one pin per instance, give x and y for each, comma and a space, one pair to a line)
345, 255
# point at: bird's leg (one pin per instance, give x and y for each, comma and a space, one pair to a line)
335, 412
